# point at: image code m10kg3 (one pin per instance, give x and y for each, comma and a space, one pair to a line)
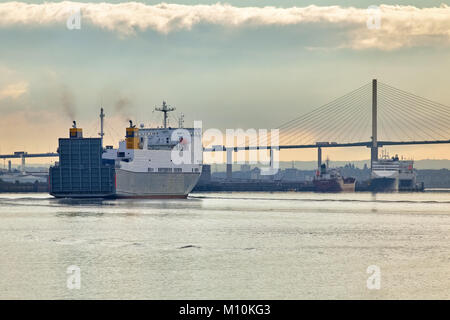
225, 310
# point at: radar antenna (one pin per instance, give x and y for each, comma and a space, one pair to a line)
165, 109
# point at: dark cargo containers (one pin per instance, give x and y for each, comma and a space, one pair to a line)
81, 172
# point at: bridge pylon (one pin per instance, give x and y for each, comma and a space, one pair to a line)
374, 146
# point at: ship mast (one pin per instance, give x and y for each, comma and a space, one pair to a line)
181, 121
165, 109
101, 133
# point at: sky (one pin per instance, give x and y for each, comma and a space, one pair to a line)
234, 64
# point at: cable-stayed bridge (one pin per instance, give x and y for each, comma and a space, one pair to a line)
374, 115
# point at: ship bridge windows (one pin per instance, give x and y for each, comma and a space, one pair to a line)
164, 169
177, 170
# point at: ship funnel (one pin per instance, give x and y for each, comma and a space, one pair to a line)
75, 132
132, 136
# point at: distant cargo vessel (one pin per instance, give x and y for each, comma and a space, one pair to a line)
142, 167
393, 174
330, 180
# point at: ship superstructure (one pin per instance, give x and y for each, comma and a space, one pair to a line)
150, 163
392, 174
331, 180
81, 171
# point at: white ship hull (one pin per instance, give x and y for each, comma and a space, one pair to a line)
154, 184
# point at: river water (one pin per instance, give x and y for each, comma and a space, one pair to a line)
227, 246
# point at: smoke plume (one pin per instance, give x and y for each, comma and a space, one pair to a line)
68, 102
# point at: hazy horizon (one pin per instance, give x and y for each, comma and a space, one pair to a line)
431, 164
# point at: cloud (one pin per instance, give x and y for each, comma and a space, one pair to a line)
14, 90
401, 26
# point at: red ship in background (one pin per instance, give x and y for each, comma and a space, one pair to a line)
331, 180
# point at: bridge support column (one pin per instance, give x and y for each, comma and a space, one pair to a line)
229, 163
374, 147
319, 157
272, 163
23, 164
374, 154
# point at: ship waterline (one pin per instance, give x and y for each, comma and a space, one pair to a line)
384, 184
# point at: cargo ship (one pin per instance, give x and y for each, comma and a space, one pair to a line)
159, 162
330, 180
392, 175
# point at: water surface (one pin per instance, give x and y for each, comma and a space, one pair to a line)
227, 246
